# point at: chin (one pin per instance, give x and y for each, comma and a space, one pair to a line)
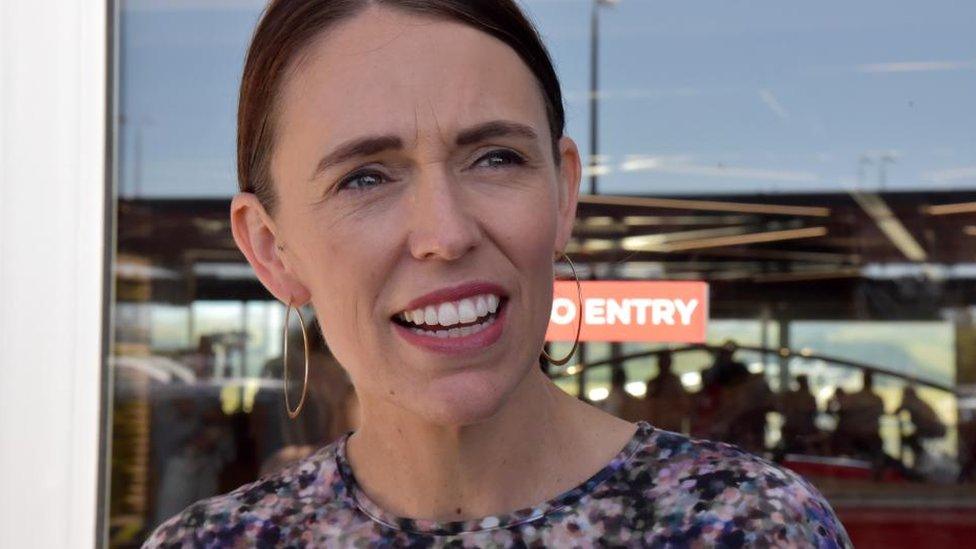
463, 399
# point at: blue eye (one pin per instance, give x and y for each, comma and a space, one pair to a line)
499, 159
359, 181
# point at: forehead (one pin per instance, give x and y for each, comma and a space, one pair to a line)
386, 71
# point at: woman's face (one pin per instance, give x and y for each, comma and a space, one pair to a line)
416, 187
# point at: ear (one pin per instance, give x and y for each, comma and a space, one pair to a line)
256, 235
570, 173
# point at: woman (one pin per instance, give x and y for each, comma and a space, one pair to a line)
403, 169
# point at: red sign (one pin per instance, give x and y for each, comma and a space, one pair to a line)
672, 312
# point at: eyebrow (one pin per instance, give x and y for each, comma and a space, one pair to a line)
495, 128
367, 146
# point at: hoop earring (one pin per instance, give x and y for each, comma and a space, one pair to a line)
579, 319
284, 360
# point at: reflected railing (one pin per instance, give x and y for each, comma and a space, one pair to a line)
851, 434
575, 369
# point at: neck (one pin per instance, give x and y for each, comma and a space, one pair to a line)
515, 459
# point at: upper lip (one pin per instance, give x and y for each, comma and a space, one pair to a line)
454, 293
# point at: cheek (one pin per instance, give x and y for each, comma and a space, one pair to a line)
531, 236
529, 242
344, 294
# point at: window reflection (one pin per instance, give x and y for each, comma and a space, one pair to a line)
880, 425
822, 157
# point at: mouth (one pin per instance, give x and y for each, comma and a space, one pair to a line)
455, 320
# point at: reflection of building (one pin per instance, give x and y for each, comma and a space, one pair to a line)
782, 260
779, 264
838, 282
794, 258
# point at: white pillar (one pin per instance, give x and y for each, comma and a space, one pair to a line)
52, 244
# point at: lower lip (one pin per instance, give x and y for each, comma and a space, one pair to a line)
457, 345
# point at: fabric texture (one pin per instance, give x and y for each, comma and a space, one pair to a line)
662, 490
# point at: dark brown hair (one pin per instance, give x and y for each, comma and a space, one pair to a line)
289, 26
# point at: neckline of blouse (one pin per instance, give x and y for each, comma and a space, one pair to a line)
492, 522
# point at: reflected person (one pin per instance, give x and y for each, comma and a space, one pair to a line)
859, 422
799, 409
709, 402
738, 401
326, 414
403, 168
666, 401
619, 402
925, 423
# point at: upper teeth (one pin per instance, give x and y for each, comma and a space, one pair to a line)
450, 313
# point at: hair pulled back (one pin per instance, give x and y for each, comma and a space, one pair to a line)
287, 27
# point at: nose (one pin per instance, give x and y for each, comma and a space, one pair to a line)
443, 223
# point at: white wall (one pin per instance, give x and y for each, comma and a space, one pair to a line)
52, 188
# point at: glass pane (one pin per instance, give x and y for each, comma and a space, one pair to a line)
859, 116
198, 394
824, 163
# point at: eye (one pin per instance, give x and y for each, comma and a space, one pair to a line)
499, 159
362, 180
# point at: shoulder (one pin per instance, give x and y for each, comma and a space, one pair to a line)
716, 492
264, 511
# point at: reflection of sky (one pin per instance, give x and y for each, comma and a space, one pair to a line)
696, 97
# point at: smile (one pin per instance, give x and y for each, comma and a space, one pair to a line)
452, 318
455, 320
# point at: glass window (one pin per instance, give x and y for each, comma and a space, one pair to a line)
814, 163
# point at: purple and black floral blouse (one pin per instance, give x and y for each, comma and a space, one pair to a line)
661, 490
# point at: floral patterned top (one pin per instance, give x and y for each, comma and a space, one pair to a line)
661, 490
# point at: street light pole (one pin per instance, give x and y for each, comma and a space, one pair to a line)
594, 146
594, 89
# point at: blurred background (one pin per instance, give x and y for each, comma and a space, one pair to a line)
814, 163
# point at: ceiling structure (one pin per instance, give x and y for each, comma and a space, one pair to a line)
844, 255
